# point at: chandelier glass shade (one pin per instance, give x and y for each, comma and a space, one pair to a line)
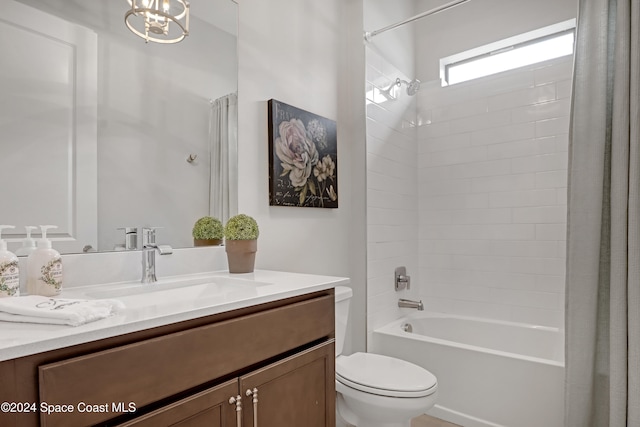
159, 21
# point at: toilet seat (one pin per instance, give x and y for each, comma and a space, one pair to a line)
384, 376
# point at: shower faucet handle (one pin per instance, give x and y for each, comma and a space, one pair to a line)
402, 281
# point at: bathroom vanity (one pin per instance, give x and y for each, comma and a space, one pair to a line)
264, 357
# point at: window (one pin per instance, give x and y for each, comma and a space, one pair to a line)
529, 48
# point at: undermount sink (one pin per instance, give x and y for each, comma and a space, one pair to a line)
195, 287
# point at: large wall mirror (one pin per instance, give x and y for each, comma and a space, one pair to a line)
101, 131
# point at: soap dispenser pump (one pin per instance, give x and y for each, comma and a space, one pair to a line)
9, 270
44, 267
28, 244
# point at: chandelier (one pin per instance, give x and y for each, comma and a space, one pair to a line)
159, 21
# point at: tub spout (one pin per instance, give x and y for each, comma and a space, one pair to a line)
407, 303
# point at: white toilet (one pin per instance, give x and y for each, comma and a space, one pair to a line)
375, 390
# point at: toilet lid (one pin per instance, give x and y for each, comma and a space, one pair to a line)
384, 376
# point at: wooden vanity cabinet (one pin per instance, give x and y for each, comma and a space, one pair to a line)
277, 357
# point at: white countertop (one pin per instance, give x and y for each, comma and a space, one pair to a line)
158, 308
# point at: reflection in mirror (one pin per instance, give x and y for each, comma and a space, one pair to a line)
102, 131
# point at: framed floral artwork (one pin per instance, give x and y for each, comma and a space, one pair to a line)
303, 158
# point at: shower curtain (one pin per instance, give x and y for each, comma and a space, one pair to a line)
603, 238
223, 135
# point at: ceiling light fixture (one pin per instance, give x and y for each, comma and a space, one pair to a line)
151, 19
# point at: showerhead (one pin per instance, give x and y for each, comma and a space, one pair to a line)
412, 87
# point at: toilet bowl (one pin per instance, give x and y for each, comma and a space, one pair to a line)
373, 390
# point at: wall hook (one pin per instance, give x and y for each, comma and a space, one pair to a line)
191, 158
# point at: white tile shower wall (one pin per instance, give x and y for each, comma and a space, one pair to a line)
392, 188
492, 194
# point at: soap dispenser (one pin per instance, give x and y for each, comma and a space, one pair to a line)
44, 268
9, 270
28, 244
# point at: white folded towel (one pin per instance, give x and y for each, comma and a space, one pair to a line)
56, 311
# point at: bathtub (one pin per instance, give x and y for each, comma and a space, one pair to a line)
490, 373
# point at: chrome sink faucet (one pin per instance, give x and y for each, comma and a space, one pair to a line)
149, 248
407, 303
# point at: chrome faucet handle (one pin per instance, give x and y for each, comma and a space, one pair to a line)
149, 235
130, 238
402, 281
149, 241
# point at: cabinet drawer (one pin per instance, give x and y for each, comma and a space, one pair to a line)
208, 408
154, 369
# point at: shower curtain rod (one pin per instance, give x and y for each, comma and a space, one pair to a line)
368, 35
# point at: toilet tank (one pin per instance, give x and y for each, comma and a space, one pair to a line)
343, 296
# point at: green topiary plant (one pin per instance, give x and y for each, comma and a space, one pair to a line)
241, 227
207, 228
241, 243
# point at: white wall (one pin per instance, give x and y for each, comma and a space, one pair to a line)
392, 153
306, 54
493, 167
396, 46
392, 188
479, 22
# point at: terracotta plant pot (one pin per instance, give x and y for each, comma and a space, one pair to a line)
241, 255
207, 242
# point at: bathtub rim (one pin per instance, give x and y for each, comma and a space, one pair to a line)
394, 328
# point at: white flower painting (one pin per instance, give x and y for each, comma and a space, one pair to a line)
303, 158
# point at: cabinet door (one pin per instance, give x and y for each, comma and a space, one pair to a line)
295, 392
207, 408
